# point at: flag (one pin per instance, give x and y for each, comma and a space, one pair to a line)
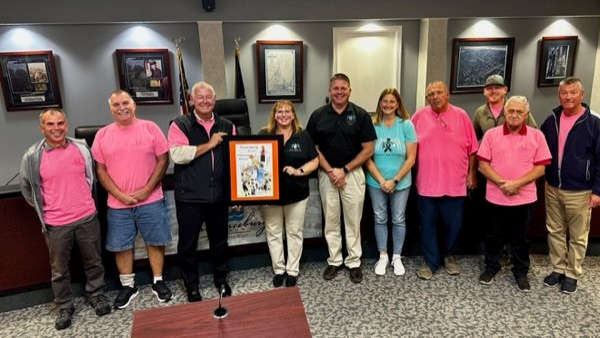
240, 92
184, 94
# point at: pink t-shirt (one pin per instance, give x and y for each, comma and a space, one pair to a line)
512, 155
496, 109
66, 193
566, 123
445, 142
129, 154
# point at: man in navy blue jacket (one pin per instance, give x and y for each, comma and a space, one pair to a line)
572, 182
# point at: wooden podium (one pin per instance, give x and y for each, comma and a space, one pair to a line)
274, 313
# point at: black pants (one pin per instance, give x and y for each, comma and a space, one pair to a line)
190, 217
509, 224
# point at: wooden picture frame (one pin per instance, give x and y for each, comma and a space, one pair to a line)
254, 168
279, 70
145, 74
474, 59
29, 80
556, 60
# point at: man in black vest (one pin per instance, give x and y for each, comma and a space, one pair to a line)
195, 146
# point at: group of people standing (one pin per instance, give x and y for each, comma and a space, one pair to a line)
130, 156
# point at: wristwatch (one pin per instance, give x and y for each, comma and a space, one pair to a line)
301, 170
396, 181
345, 169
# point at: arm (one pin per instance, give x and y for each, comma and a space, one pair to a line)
486, 170
472, 174
25, 185
365, 153
307, 168
110, 186
511, 187
162, 161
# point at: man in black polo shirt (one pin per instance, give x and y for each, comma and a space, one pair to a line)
344, 135
196, 147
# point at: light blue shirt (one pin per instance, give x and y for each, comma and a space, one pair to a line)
389, 152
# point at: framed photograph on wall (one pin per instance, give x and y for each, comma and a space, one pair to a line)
474, 59
254, 168
279, 65
29, 80
557, 59
145, 75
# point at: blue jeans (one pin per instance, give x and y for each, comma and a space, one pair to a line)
397, 202
450, 211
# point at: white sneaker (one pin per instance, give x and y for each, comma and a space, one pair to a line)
398, 266
381, 265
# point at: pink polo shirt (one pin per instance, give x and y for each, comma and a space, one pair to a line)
66, 194
512, 155
129, 154
566, 123
445, 142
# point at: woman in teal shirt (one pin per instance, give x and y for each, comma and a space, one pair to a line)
388, 177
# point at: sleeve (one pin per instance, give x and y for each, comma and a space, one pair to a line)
160, 142
471, 137
25, 184
310, 146
477, 125
542, 153
596, 164
367, 131
409, 131
179, 149
233, 130
97, 148
311, 128
485, 152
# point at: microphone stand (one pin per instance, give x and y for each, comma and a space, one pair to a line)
220, 312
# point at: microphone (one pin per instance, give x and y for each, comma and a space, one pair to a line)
220, 312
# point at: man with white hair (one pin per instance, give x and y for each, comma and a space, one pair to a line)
196, 147
572, 182
511, 156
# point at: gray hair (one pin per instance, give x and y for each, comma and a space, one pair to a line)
520, 99
203, 84
571, 80
51, 111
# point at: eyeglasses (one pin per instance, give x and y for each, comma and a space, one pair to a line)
284, 112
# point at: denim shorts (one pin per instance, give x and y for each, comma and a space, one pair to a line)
149, 219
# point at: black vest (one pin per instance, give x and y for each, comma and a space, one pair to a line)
203, 179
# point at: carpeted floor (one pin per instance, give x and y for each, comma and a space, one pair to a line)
381, 306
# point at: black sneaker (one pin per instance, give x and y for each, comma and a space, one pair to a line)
569, 285
100, 304
125, 296
63, 320
523, 283
278, 280
554, 278
356, 275
487, 277
331, 271
291, 280
161, 291
193, 294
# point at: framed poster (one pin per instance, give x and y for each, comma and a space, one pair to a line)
29, 80
557, 59
254, 168
474, 59
279, 72
145, 75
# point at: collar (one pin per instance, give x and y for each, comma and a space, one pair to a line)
200, 120
48, 147
507, 131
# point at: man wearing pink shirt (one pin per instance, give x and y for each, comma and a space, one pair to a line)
572, 182
131, 158
57, 179
445, 169
511, 157
196, 147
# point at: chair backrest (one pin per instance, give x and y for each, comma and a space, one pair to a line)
236, 111
87, 132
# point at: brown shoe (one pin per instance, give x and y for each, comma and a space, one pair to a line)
451, 266
356, 275
424, 272
331, 271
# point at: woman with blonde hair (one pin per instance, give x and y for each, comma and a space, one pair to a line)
299, 159
388, 177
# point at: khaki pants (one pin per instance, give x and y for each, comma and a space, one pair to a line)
292, 215
567, 211
351, 196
